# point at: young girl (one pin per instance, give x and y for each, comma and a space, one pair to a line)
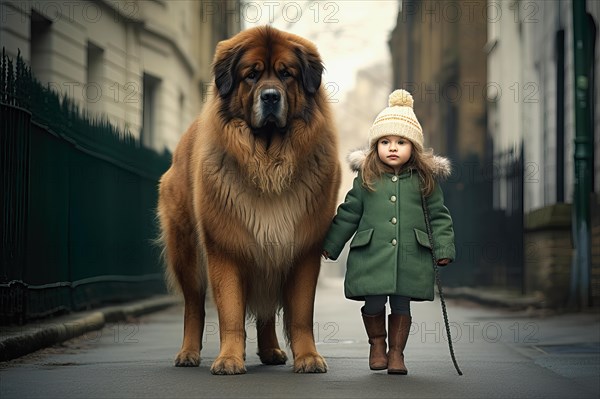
390, 254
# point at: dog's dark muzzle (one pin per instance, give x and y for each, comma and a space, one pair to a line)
270, 103
270, 98
271, 108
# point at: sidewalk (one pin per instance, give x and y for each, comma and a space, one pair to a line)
502, 353
17, 341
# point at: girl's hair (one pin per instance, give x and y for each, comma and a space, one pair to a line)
420, 160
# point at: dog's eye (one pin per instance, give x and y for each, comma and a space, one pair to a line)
251, 75
285, 74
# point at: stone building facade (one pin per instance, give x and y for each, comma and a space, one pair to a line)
144, 65
495, 79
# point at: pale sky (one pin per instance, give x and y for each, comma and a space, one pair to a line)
350, 34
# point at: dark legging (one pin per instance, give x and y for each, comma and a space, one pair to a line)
375, 304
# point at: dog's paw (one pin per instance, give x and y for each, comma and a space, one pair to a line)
272, 356
187, 359
228, 365
310, 363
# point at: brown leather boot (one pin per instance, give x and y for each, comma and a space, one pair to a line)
375, 326
399, 327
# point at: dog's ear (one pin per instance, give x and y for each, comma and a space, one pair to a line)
224, 67
311, 68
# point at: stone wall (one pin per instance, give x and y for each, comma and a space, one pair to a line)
548, 252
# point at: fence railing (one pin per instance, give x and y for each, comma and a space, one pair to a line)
486, 201
77, 205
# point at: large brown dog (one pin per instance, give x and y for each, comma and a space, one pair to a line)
248, 200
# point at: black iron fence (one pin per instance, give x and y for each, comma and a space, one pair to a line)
77, 205
486, 201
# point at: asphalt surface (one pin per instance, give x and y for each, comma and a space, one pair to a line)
502, 353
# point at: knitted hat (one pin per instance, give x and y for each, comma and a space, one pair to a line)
398, 119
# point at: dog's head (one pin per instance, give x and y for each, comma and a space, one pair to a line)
267, 78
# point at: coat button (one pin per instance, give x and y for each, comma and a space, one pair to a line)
394, 242
395, 178
393, 198
394, 220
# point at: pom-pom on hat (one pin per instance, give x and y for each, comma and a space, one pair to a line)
398, 119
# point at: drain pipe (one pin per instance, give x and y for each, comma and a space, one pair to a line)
580, 272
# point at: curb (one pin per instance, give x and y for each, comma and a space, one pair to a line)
495, 299
31, 339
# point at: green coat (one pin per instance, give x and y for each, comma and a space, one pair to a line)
390, 253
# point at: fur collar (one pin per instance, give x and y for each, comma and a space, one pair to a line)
442, 168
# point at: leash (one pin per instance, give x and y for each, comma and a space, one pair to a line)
438, 282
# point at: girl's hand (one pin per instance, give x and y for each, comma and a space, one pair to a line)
443, 262
325, 254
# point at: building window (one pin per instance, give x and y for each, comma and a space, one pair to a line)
94, 79
40, 45
151, 88
182, 116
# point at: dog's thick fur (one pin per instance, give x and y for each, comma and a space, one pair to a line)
249, 197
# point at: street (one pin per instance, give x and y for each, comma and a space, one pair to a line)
501, 353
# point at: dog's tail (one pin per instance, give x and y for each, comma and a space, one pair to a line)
178, 272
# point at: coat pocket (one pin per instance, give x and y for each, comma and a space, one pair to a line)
422, 238
361, 238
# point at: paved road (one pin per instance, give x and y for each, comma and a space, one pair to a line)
502, 354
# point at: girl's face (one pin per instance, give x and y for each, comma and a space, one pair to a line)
394, 151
